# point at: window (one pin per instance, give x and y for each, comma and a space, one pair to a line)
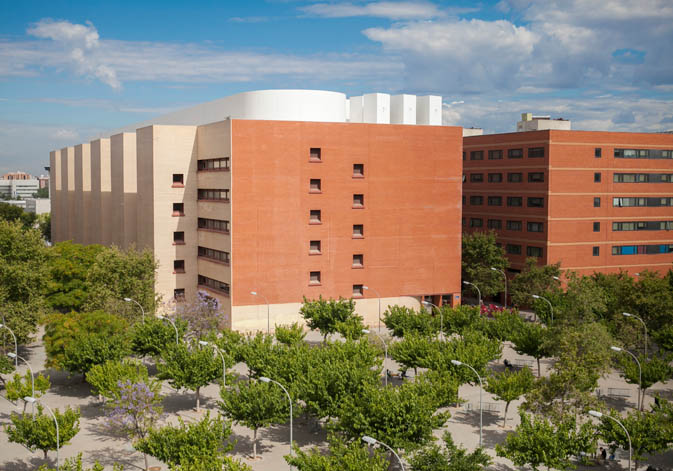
315, 217
464, 200
358, 170
358, 260
358, 231
178, 180
515, 177
643, 154
315, 154
536, 177
476, 222
514, 225
178, 238
642, 249
314, 247
213, 164
178, 209
213, 195
495, 200
513, 249
597, 226
643, 226
216, 225
179, 294
533, 202
463, 222
597, 152
533, 251
643, 177
494, 154
213, 284
358, 201
178, 266
515, 153
514, 201
476, 177
597, 177
314, 278
623, 202
494, 224
215, 255
315, 185
535, 226
596, 251
477, 155
495, 177
476, 200
463, 155
358, 291
535, 152
597, 202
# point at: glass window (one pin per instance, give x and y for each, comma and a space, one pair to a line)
476, 222
315, 216
314, 247
476, 177
514, 201
535, 226
494, 154
494, 224
315, 154
597, 152
515, 177
213, 164
358, 260
315, 185
597, 226
597, 202
513, 249
495, 200
536, 177
358, 230
477, 155
358, 201
534, 152
596, 251
534, 251
358, 170
535, 202
314, 278
513, 225
515, 153
495, 177
597, 177
476, 200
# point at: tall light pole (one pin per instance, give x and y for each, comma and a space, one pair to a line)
626, 314
373, 441
32, 375
385, 354
177, 336
475, 287
129, 300
481, 387
505, 276
551, 308
264, 379
268, 317
640, 374
32, 400
379, 296
441, 316
599, 415
16, 346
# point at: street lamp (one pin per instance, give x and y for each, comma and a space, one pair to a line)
599, 415
32, 375
16, 346
626, 314
505, 276
373, 441
264, 379
640, 373
475, 287
379, 296
217, 349
32, 400
441, 316
177, 336
385, 354
268, 317
551, 308
129, 300
481, 386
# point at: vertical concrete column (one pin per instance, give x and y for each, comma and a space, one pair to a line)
145, 187
55, 193
67, 208
82, 178
101, 187
124, 187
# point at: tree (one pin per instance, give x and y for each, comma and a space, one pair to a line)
87, 349
508, 386
38, 432
44, 226
331, 316
290, 334
504, 325
202, 315
75, 464
149, 338
402, 320
412, 351
534, 279
341, 456
41, 193
254, 405
22, 386
451, 458
189, 366
259, 353
11, 213
462, 318
583, 301
480, 253
654, 370
539, 442
532, 340
105, 378
664, 338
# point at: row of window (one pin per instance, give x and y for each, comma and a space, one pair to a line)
512, 177
625, 202
533, 152
213, 195
221, 164
643, 154
643, 226
213, 284
510, 225
212, 254
642, 249
315, 279
643, 177
512, 201
516, 249
216, 225
538, 177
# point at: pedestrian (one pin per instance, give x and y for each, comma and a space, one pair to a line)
604, 454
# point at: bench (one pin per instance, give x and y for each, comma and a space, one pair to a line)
521, 362
619, 392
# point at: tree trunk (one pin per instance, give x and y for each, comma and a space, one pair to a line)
147, 466
197, 399
642, 398
504, 420
254, 444
45, 454
538, 367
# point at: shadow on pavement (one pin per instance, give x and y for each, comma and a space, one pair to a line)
243, 446
109, 456
27, 464
494, 437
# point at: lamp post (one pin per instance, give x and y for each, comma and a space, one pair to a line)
32, 375
264, 379
177, 336
599, 415
385, 354
268, 317
373, 441
129, 300
505, 276
551, 308
481, 387
640, 373
16, 346
32, 400
441, 316
379, 296
626, 314
475, 287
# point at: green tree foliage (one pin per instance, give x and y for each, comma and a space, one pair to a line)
509, 386
258, 352
219, 463
653, 300
401, 321
664, 338
331, 316
534, 279
23, 274
290, 334
189, 366
462, 318
186, 444
654, 370
11, 213
254, 405
451, 458
86, 350
504, 325
539, 442
22, 386
38, 432
44, 226
105, 378
532, 340
149, 338
480, 253
412, 351
341, 456
583, 301
230, 342
75, 464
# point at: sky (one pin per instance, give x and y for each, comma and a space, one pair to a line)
70, 70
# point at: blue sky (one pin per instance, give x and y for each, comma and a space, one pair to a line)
72, 69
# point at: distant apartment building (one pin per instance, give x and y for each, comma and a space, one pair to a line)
17, 176
593, 201
18, 188
284, 194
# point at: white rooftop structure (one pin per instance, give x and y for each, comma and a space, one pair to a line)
540, 123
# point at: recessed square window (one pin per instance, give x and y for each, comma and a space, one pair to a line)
513, 249
358, 170
178, 237
358, 201
494, 224
534, 152
358, 260
495, 177
358, 291
476, 177
596, 251
315, 154
178, 180
315, 216
476, 222
315, 185
179, 294
178, 266
515, 153
314, 278
494, 154
477, 155
476, 200
515, 177
315, 247
536, 177
514, 201
534, 202
178, 209
358, 231
597, 202
597, 226
597, 152
597, 177
533, 251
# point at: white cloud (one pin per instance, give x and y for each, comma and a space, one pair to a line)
65, 134
390, 10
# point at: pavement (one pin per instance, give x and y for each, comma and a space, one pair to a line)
273, 442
